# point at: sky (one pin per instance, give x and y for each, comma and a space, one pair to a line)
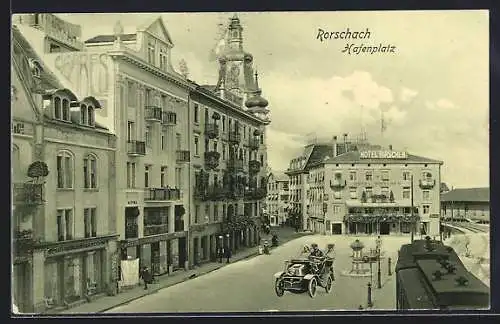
433, 90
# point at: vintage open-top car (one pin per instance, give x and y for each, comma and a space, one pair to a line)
305, 273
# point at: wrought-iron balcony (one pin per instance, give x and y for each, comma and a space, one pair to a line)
212, 159
23, 242
153, 113
183, 156
235, 165
212, 130
28, 193
338, 183
169, 118
162, 194
427, 183
217, 193
131, 231
136, 148
234, 137
254, 166
179, 226
200, 192
254, 143
155, 229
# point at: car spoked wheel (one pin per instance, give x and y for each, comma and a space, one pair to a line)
279, 287
329, 282
312, 287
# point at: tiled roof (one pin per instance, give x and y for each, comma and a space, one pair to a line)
467, 194
23, 48
111, 38
354, 157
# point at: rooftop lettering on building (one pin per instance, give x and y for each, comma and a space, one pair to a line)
383, 155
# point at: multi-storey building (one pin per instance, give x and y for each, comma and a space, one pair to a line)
62, 170
144, 103
277, 198
228, 154
367, 191
466, 204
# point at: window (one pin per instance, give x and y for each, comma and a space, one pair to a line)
196, 113
61, 109
215, 147
352, 176
178, 141
83, 114
369, 175
406, 193
132, 94
90, 172
336, 209
426, 195
178, 178
261, 139
64, 170
353, 193
65, 224
130, 175
406, 175
163, 58
224, 211
86, 115
207, 142
369, 192
261, 160
426, 209
163, 177
337, 194
196, 146
223, 151
207, 213
216, 212
151, 51
147, 136
163, 141
223, 123
90, 222
385, 175
130, 131
146, 176
426, 175
196, 213
244, 132
148, 98
206, 116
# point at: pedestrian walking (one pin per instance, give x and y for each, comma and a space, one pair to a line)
146, 277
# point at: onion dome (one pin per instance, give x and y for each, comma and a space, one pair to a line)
256, 100
248, 58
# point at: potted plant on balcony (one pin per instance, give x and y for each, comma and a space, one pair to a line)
212, 159
363, 197
391, 197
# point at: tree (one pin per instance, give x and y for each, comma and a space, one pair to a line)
38, 169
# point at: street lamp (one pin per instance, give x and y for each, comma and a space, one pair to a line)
221, 247
379, 283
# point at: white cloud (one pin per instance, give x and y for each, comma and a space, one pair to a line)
440, 104
407, 94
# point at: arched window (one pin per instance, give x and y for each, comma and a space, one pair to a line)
57, 108
90, 172
64, 170
83, 114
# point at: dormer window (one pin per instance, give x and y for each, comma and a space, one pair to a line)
87, 115
151, 51
61, 108
163, 58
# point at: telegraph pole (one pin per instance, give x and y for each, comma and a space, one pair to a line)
412, 211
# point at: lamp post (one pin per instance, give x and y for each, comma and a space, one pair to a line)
412, 211
379, 279
221, 247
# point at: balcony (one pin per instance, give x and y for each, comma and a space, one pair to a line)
23, 242
338, 183
183, 156
153, 113
155, 229
235, 165
212, 130
200, 193
254, 143
28, 193
179, 226
234, 137
136, 148
255, 193
131, 231
427, 183
254, 166
216, 193
161, 194
169, 118
212, 159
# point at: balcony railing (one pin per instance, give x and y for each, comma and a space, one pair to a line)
23, 242
216, 193
131, 231
254, 143
235, 165
169, 118
338, 183
155, 229
234, 137
254, 166
179, 226
136, 148
183, 156
212, 159
28, 193
427, 183
161, 194
212, 130
153, 113
200, 192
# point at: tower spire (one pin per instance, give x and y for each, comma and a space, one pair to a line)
256, 80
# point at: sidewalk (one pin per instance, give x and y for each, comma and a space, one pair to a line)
108, 302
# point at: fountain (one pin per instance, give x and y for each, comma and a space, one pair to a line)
359, 262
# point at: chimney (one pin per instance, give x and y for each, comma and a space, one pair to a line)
334, 146
390, 147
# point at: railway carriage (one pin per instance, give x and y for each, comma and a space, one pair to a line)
430, 275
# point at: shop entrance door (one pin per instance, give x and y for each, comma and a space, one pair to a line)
385, 228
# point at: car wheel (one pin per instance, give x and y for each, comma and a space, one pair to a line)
279, 287
329, 282
313, 283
